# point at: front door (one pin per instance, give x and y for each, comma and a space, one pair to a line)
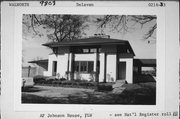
54, 68
122, 71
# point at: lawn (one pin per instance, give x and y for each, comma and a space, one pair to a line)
133, 94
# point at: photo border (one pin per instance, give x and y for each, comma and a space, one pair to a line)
160, 56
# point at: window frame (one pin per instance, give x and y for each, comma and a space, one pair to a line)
83, 68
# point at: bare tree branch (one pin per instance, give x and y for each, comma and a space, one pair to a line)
121, 23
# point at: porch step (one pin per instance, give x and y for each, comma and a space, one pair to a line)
117, 87
119, 83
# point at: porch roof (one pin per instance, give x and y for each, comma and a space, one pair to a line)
39, 61
144, 62
87, 41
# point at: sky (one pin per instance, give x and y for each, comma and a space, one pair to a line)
32, 48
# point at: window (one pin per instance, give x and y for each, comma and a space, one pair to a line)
84, 66
76, 67
85, 50
93, 50
90, 67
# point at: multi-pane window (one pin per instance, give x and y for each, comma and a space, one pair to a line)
85, 50
84, 66
93, 50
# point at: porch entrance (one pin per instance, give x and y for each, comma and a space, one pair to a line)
121, 71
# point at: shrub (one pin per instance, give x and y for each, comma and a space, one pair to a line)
39, 79
49, 81
62, 79
104, 87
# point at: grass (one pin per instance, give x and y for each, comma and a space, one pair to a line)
134, 94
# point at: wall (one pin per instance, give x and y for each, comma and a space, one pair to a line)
111, 68
33, 71
101, 74
110, 51
129, 69
52, 57
62, 65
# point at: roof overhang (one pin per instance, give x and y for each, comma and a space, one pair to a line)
39, 61
93, 41
144, 62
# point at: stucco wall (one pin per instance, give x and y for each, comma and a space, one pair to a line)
51, 58
111, 68
62, 65
101, 74
111, 64
129, 69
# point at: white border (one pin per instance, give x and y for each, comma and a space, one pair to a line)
92, 11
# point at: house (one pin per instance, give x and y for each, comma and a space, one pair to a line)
40, 67
100, 59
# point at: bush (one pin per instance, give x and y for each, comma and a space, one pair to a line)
49, 81
39, 79
62, 79
104, 87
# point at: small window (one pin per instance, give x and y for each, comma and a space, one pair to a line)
85, 50
93, 50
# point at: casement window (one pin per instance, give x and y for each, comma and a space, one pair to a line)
84, 66
93, 50
85, 50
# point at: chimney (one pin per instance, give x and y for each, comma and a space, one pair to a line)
102, 36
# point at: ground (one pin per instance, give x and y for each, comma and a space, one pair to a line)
132, 94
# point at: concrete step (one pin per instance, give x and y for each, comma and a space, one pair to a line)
119, 83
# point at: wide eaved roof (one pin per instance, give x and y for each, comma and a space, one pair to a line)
91, 41
87, 41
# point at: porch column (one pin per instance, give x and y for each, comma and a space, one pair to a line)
117, 66
105, 63
71, 66
68, 62
97, 67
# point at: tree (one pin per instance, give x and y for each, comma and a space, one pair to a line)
59, 27
124, 23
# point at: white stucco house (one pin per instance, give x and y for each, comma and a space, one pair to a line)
100, 59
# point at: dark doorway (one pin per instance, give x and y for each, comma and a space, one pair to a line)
122, 70
54, 68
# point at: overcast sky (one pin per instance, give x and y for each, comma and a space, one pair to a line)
33, 49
